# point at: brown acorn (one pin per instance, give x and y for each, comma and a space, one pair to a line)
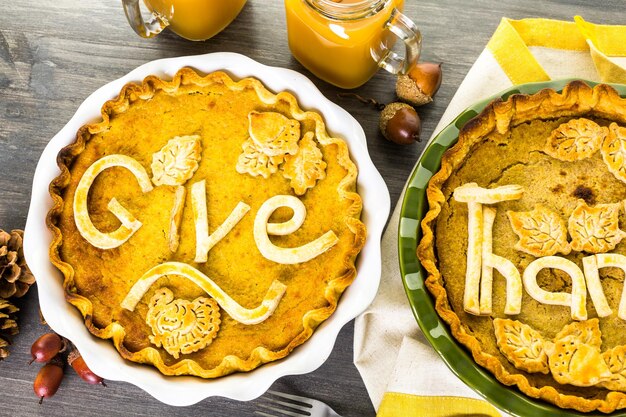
49, 378
400, 123
77, 362
420, 84
46, 347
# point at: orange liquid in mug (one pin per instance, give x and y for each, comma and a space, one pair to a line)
197, 19
337, 51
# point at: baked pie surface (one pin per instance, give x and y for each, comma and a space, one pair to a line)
157, 225
504, 146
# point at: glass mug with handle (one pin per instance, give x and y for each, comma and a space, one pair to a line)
344, 42
195, 20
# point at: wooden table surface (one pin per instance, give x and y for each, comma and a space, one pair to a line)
54, 53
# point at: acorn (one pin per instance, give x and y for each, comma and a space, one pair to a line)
49, 378
400, 123
420, 84
77, 362
46, 347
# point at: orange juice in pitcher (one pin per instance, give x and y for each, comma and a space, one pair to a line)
191, 19
344, 42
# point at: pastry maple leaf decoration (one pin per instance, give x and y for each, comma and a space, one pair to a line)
595, 229
542, 232
177, 161
254, 162
614, 151
575, 140
175, 164
274, 144
305, 167
181, 326
521, 345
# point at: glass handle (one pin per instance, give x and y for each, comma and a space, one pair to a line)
404, 28
143, 28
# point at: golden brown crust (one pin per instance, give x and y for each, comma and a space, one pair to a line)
185, 77
576, 100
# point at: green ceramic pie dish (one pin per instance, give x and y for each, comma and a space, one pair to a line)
414, 206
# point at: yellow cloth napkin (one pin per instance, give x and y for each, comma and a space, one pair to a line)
511, 41
403, 374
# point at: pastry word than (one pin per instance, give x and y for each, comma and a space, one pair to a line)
592, 228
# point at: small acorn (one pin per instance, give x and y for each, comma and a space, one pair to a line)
76, 361
49, 378
400, 123
420, 84
46, 347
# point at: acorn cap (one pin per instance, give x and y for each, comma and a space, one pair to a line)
408, 91
420, 84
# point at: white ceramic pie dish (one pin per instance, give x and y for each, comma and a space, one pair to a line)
100, 355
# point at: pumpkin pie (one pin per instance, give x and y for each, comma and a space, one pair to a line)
205, 225
524, 244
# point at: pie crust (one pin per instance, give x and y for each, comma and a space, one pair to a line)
598, 114
222, 307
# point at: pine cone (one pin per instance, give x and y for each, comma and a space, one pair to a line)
15, 277
8, 326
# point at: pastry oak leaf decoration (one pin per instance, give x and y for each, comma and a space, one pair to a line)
575, 140
521, 345
255, 162
181, 326
274, 143
273, 133
177, 161
541, 232
587, 332
616, 360
595, 229
614, 151
305, 167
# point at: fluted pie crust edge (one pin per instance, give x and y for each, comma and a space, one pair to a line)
132, 92
577, 99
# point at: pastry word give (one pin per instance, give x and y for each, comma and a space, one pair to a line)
542, 234
204, 240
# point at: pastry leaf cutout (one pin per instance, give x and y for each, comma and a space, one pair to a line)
273, 133
306, 167
575, 140
177, 161
541, 232
595, 229
254, 162
587, 332
614, 151
616, 360
521, 345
